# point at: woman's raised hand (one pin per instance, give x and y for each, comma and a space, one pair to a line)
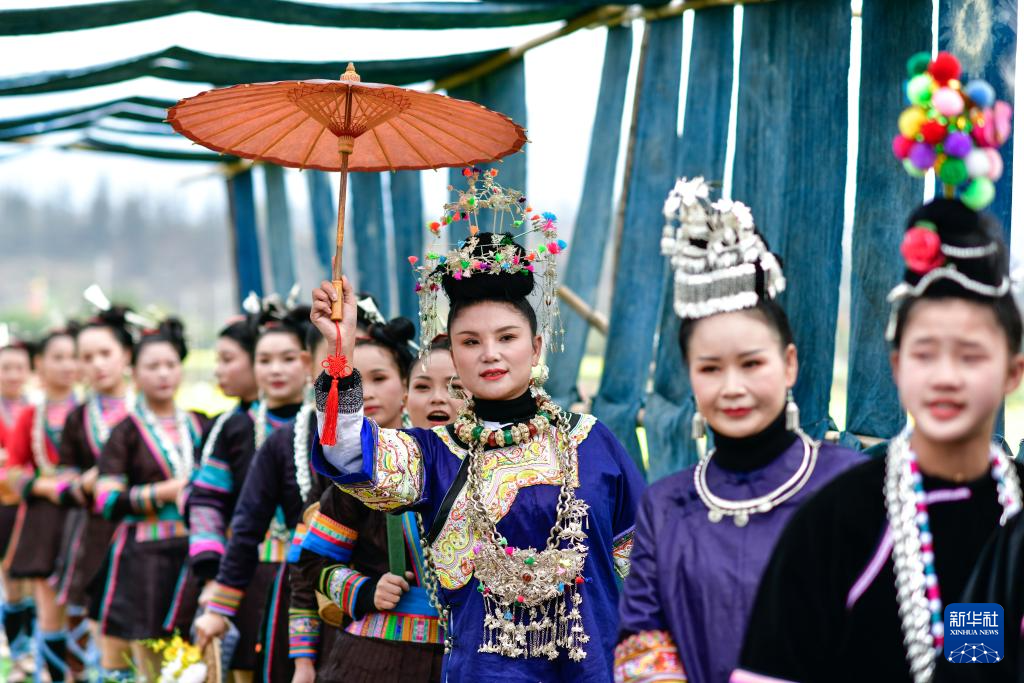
320, 315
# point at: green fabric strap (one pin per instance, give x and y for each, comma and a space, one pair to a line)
396, 546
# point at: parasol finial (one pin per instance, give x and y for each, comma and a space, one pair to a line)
350, 74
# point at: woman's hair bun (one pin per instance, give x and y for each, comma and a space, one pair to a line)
171, 330
400, 331
499, 286
174, 331
294, 321
394, 336
114, 319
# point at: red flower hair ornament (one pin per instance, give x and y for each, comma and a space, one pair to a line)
922, 248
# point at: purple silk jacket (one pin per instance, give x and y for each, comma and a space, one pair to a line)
697, 579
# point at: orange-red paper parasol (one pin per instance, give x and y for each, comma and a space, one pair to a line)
345, 125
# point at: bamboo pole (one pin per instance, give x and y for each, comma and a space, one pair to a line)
596, 319
605, 15
599, 15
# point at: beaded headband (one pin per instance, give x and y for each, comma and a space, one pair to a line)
721, 263
510, 211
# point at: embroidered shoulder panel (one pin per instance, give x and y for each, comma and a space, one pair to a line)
397, 479
504, 472
456, 448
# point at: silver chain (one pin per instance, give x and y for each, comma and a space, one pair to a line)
429, 580
565, 449
911, 590
741, 510
211, 439
181, 454
39, 453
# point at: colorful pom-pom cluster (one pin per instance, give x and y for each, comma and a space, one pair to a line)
954, 128
512, 211
510, 218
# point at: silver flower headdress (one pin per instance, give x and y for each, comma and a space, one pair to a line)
721, 263
462, 261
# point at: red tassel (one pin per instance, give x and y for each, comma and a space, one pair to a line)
329, 436
337, 367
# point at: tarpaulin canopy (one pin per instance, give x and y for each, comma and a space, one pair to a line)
182, 64
143, 109
401, 15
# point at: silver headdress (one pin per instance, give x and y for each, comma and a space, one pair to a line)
370, 310
721, 263
485, 254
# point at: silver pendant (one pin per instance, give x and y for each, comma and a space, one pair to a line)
715, 516
741, 519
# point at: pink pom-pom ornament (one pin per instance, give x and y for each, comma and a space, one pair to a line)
948, 102
995, 161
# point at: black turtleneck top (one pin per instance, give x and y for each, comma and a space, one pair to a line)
518, 409
285, 412
749, 453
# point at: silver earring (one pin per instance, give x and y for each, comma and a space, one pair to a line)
455, 392
698, 428
792, 412
308, 394
540, 377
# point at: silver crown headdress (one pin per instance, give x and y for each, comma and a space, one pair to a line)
463, 261
718, 257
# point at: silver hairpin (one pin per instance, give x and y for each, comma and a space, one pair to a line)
370, 310
94, 295
252, 304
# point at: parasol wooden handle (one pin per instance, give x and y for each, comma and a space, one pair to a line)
337, 306
345, 146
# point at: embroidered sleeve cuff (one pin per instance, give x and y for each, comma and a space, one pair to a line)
215, 478
350, 392
109, 494
647, 657
24, 484
350, 460
622, 548
330, 538
303, 633
343, 586
224, 600
207, 541
143, 499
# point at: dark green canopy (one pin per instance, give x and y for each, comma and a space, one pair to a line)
144, 109
403, 15
181, 64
